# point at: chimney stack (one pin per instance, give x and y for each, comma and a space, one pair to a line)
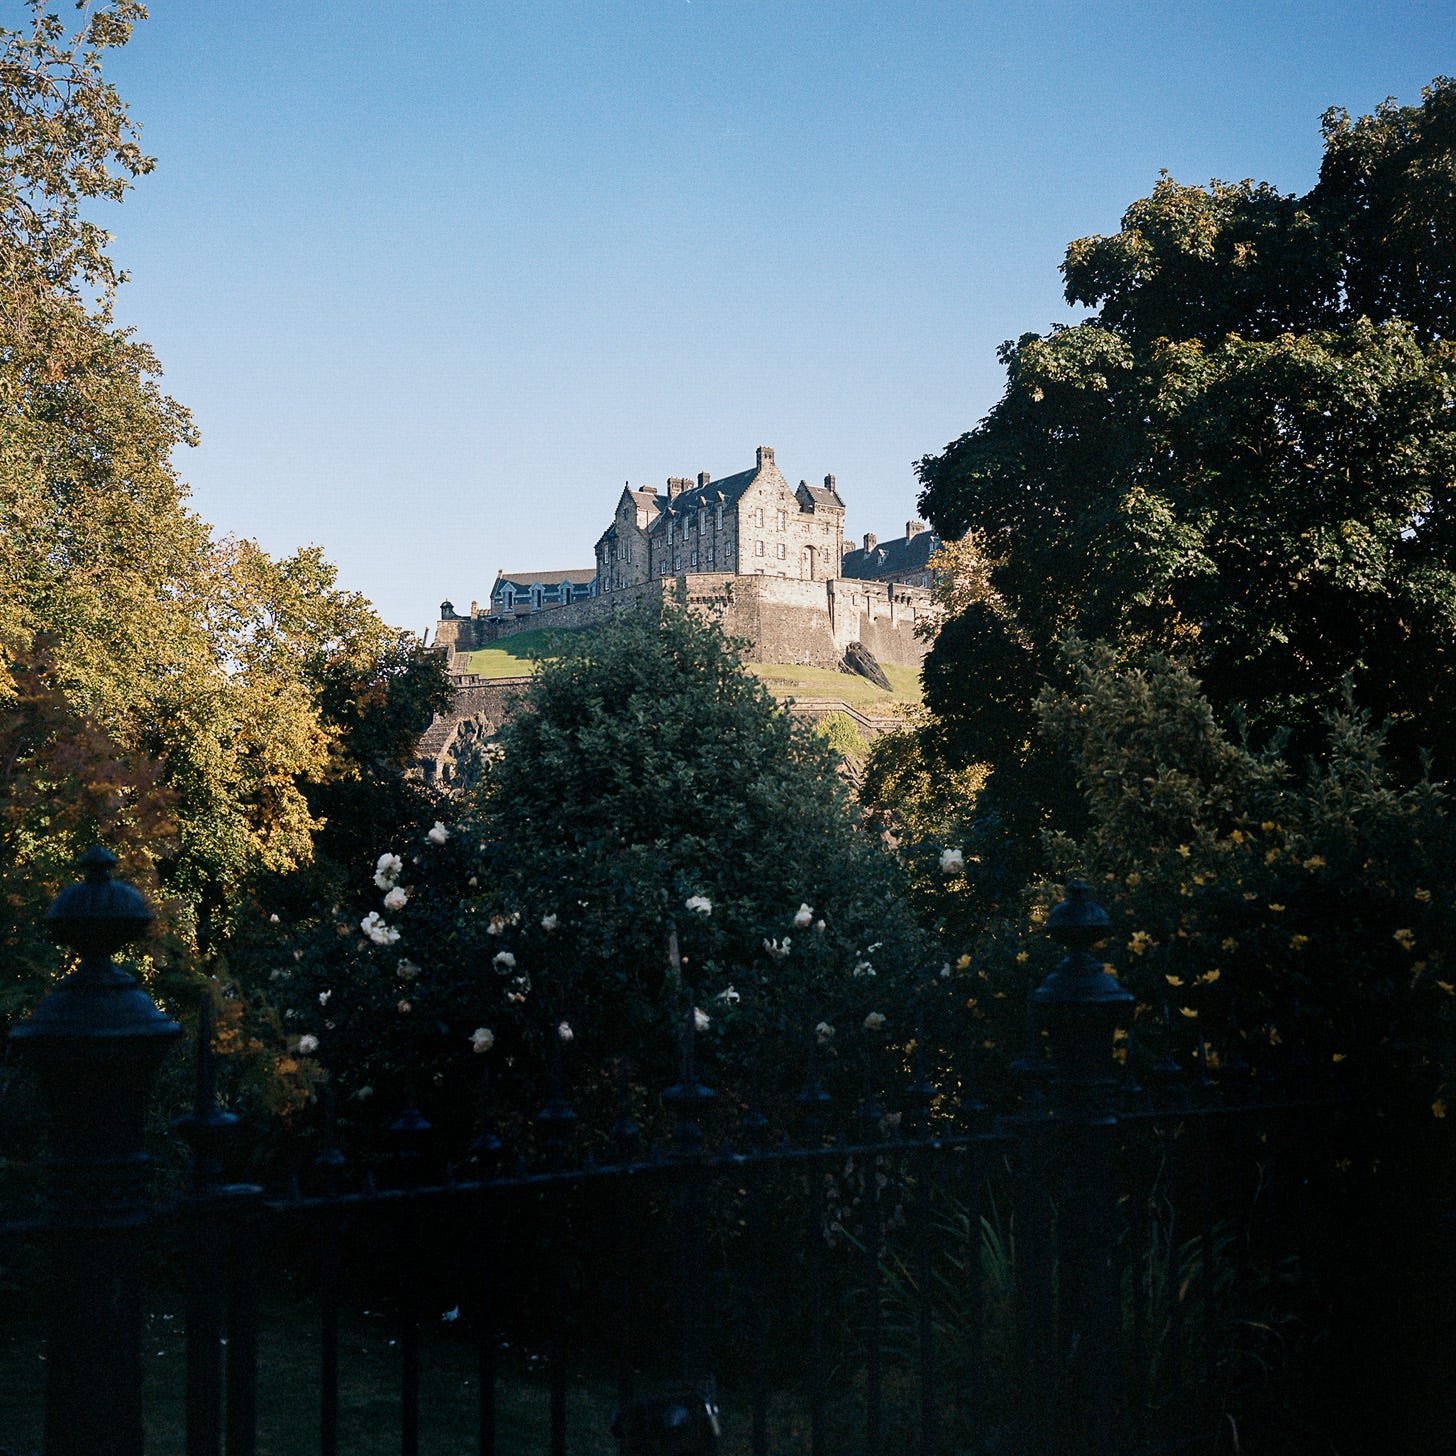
828, 482
869, 542
765, 456
703, 477
676, 484
913, 529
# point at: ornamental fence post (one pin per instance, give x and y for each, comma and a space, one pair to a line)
1080, 1005
95, 1043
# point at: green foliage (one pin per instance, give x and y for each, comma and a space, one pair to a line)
1257, 903
1245, 458
200, 706
647, 769
845, 740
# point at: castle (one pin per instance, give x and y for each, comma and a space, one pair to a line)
774, 559
771, 562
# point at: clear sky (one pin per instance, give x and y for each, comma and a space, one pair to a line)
437, 276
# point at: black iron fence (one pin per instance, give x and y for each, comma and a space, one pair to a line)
1100, 1269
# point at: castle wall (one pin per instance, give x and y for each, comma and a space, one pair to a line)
783, 619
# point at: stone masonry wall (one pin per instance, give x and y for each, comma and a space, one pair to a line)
783, 620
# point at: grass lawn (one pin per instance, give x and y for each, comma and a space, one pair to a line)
787, 680
369, 1393
510, 657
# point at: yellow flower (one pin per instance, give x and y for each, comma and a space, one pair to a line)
1447, 987
963, 963
1183, 850
1270, 855
1134, 880
1187, 1011
1298, 942
1209, 977
1276, 908
1315, 862
1268, 826
1022, 957
1140, 941
1405, 939
1338, 1057
1274, 1038
1228, 943
1438, 1108
1237, 836
1173, 980
1423, 896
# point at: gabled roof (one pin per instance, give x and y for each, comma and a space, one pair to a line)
890, 558
725, 492
819, 497
575, 576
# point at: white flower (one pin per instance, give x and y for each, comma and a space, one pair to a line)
474, 882
701, 1020
386, 871
324, 997
699, 905
564, 1031
497, 925
404, 1007
824, 1033
363, 1093
874, 1021
307, 1043
504, 961
550, 922
438, 834
273, 920
397, 898
408, 970
777, 949
818, 927
730, 997
377, 931
945, 970
482, 1039
952, 862
863, 969
804, 918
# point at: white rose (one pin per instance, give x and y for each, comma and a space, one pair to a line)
438, 834
307, 1044
952, 862
804, 918
482, 1039
396, 899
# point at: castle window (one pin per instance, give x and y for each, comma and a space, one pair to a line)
677, 562
781, 520
719, 521
758, 516
695, 560
781, 550
702, 519
710, 556
758, 548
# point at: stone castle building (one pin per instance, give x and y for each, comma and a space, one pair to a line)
772, 558
769, 560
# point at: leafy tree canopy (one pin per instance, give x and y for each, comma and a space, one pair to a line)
185, 697
1245, 457
649, 792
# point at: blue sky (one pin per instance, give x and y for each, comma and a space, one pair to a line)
437, 278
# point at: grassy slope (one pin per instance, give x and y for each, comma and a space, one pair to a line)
786, 680
511, 657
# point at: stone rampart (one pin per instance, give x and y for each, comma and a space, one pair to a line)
781, 618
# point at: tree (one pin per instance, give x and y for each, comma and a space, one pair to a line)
185, 696
649, 793
1244, 458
